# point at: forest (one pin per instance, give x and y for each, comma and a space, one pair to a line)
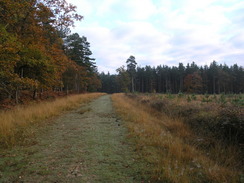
211, 79
39, 54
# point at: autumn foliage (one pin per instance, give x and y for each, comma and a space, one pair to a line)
193, 83
32, 49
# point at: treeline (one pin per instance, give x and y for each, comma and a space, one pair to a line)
214, 78
37, 52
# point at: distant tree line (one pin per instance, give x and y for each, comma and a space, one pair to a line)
37, 52
214, 78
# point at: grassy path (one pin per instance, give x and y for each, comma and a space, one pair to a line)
86, 145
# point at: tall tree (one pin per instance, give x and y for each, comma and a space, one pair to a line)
123, 79
131, 68
193, 83
213, 72
78, 49
181, 70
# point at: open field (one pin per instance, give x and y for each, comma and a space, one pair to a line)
179, 151
15, 125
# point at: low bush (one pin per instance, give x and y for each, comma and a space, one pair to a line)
230, 123
174, 152
215, 124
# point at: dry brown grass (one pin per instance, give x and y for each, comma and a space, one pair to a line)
162, 142
14, 124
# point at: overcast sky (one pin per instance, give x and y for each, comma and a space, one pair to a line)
162, 32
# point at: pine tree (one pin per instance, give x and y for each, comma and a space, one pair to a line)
131, 69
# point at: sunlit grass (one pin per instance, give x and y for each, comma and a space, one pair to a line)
14, 123
162, 142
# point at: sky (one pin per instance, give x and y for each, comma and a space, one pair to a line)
162, 32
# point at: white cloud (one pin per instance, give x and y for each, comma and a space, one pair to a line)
141, 9
162, 32
105, 7
114, 46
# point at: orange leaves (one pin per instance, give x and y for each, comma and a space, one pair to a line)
64, 13
31, 45
193, 83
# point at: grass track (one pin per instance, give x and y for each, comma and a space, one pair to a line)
88, 144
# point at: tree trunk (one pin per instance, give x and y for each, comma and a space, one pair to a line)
40, 93
181, 84
132, 85
167, 85
159, 84
78, 88
22, 73
67, 90
34, 94
17, 96
142, 86
218, 87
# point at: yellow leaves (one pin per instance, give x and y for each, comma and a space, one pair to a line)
8, 49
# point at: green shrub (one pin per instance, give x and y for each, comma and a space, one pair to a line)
180, 95
231, 124
188, 98
160, 97
206, 98
238, 100
170, 96
222, 99
193, 97
214, 98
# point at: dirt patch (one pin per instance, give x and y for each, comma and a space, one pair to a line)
86, 145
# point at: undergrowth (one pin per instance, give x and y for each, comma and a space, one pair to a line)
175, 152
218, 119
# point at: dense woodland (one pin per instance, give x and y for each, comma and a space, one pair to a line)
38, 53
214, 78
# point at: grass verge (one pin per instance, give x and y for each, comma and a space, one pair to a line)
162, 142
14, 123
